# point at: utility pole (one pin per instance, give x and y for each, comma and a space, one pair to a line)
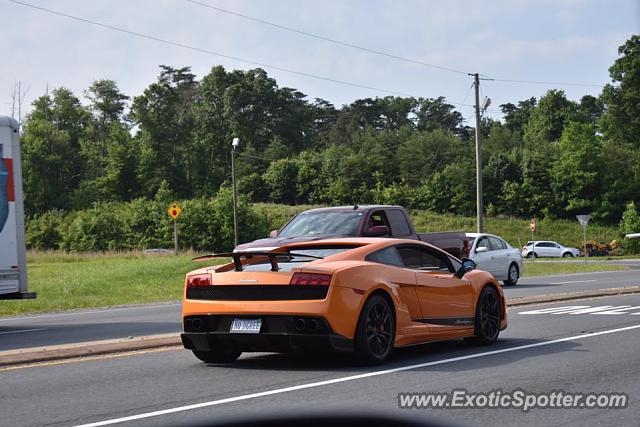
479, 207
234, 145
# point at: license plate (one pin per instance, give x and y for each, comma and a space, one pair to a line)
246, 326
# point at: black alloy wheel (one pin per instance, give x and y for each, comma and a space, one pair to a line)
487, 320
375, 332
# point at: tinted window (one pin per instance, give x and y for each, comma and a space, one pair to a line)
544, 245
399, 225
419, 258
455, 264
337, 223
286, 263
483, 242
388, 256
497, 244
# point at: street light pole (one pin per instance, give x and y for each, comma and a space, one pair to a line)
479, 204
234, 145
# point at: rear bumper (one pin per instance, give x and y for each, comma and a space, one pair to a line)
19, 295
282, 334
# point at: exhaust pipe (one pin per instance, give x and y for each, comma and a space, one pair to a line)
197, 324
299, 324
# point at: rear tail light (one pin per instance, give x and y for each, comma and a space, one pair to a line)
198, 280
310, 279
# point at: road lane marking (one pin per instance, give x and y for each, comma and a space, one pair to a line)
586, 309
350, 378
573, 281
77, 313
22, 330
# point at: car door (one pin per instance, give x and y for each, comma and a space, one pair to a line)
544, 249
500, 258
403, 278
446, 301
555, 250
484, 260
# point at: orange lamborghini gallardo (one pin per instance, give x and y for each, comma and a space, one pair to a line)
365, 295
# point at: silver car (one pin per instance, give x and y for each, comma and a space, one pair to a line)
547, 248
493, 254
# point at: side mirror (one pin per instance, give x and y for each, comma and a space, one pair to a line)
377, 231
273, 234
482, 249
467, 266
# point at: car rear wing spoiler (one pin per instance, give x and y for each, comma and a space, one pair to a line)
237, 257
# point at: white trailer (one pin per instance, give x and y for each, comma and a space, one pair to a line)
13, 258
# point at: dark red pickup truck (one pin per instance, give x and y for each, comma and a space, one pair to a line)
357, 221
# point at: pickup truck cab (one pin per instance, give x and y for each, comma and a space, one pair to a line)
356, 221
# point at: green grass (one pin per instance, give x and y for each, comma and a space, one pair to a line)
71, 281
537, 268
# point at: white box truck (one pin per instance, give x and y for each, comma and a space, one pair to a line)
13, 257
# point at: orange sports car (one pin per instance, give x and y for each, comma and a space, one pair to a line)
366, 295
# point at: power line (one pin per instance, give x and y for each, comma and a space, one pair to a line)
327, 39
210, 52
373, 51
547, 83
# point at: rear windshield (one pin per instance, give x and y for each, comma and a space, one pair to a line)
286, 263
339, 223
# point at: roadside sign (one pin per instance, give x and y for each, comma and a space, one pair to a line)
174, 211
583, 219
532, 225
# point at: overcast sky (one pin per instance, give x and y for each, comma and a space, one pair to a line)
572, 41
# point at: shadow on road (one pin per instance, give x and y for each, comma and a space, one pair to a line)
402, 357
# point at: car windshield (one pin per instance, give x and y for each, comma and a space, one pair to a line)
338, 223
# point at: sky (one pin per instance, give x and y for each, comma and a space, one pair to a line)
563, 41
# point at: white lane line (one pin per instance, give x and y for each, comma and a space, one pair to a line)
22, 330
77, 313
349, 378
573, 281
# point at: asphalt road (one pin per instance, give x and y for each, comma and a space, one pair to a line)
540, 352
90, 325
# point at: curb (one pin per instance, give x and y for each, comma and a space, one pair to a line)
123, 345
86, 349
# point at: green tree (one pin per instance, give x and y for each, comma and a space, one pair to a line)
576, 171
629, 224
621, 119
280, 178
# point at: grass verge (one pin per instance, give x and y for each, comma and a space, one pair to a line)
71, 281
537, 268
89, 280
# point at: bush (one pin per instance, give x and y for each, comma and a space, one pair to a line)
631, 224
205, 224
45, 231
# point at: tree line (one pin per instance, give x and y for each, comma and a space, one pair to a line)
548, 157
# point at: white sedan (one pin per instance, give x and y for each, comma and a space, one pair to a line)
548, 248
493, 254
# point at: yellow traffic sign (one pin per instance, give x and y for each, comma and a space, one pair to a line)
174, 211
